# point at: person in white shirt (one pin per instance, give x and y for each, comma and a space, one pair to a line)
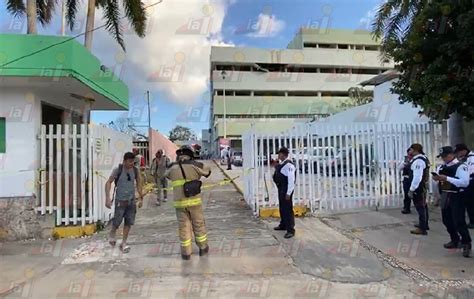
453, 179
466, 156
284, 178
418, 178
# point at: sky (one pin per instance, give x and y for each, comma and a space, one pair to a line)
172, 60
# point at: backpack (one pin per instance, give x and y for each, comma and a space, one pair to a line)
119, 173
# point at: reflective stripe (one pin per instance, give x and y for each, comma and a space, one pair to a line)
177, 183
186, 203
201, 239
186, 243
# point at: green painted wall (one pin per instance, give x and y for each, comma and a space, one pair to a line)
61, 58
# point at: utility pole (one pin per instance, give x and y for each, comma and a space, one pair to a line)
149, 114
224, 74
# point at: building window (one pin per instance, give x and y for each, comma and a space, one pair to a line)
3, 137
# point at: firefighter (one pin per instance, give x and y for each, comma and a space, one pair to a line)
418, 176
188, 209
405, 169
284, 178
453, 178
158, 169
463, 154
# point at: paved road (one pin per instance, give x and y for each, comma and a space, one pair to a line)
247, 260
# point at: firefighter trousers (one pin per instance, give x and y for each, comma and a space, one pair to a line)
191, 220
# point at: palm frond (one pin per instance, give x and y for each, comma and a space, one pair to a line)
16, 7
101, 3
112, 21
71, 11
135, 12
45, 10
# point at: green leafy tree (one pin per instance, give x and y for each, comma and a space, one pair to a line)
432, 45
180, 133
357, 96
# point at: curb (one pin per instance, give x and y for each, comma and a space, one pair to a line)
229, 178
300, 211
74, 231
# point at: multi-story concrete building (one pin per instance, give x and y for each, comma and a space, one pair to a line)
273, 89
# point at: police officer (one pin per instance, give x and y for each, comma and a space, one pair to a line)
405, 168
466, 156
188, 208
284, 178
453, 178
418, 177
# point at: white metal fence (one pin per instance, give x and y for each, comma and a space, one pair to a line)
76, 161
339, 167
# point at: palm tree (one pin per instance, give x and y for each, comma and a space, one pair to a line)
35, 10
393, 21
134, 12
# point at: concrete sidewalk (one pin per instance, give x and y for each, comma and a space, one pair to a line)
247, 260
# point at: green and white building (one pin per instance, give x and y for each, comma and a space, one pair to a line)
272, 90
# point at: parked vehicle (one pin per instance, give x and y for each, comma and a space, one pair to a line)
237, 159
320, 156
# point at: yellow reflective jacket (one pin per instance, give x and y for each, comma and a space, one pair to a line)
194, 171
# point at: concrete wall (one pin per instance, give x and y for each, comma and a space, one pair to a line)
159, 141
19, 164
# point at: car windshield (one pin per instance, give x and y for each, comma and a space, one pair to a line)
238, 154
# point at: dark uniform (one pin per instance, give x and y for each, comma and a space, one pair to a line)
406, 182
280, 178
419, 194
453, 209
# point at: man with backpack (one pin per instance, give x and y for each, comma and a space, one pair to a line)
126, 178
184, 175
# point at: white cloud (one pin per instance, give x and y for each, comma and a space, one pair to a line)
267, 26
173, 58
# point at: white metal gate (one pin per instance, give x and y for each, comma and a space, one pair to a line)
76, 161
339, 167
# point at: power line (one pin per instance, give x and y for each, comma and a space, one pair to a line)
66, 40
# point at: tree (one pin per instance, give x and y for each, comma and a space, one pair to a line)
134, 12
180, 133
35, 10
124, 125
357, 96
431, 43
